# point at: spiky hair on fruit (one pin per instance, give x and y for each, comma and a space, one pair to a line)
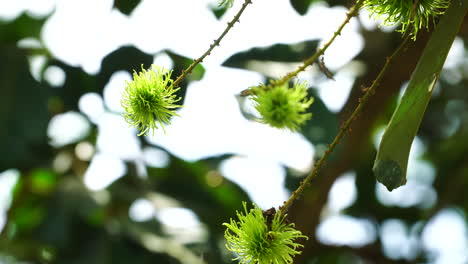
258, 238
283, 107
411, 14
150, 99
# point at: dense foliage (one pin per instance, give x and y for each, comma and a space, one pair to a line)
55, 217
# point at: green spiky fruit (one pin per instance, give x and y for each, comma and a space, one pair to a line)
283, 107
257, 239
150, 99
411, 14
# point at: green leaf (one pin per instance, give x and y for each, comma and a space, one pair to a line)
218, 11
301, 6
78, 82
23, 112
196, 192
22, 27
181, 63
324, 125
295, 52
126, 6
392, 157
43, 181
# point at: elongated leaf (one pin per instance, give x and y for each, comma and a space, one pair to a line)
296, 52
392, 157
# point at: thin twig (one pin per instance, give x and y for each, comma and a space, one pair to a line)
309, 61
212, 46
344, 128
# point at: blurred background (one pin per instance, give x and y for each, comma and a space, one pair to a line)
78, 186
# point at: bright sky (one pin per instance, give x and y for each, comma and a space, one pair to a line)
210, 123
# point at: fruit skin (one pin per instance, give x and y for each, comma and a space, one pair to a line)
283, 107
411, 17
150, 99
259, 237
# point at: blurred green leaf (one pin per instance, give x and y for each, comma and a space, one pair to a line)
127, 58
78, 82
23, 113
126, 6
22, 27
301, 6
43, 181
218, 11
181, 63
324, 124
28, 215
196, 193
214, 204
278, 52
